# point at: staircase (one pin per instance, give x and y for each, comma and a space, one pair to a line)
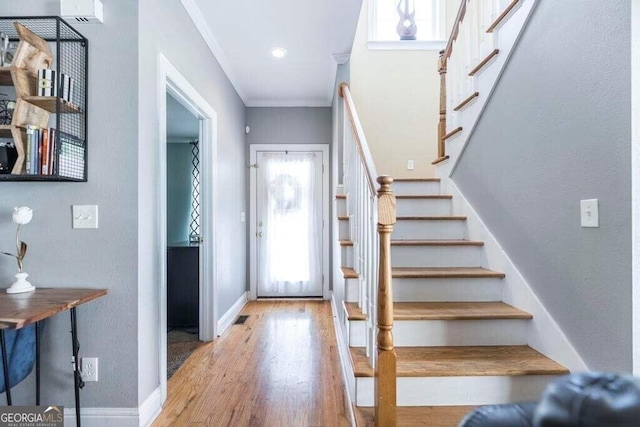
457, 343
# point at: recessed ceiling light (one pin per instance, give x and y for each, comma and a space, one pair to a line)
278, 52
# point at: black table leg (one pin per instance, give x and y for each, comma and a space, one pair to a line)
5, 367
37, 363
77, 379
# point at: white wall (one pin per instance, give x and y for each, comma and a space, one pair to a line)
397, 95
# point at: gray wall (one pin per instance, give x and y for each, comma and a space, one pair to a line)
187, 51
179, 182
556, 131
107, 257
289, 125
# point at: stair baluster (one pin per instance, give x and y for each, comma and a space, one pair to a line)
372, 214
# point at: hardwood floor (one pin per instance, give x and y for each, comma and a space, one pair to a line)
281, 368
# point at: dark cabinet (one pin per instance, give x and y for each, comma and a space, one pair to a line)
183, 271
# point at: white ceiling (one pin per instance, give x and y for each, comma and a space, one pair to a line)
241, 34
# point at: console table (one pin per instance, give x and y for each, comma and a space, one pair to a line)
20, 310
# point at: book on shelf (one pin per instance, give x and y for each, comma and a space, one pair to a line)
41, 151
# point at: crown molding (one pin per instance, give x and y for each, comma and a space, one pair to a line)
198, 20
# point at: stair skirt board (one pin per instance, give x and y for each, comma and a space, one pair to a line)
429, 229
423, 207
443, 290
437, 256
408, 188
437, 333
451, 391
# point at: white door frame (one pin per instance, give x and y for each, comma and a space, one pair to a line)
171, 81
253, 246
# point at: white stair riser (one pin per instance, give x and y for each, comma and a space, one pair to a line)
430, 229
357, 333
343, 229
346, 258
341, 207
427, 333
423, 207
351, 290
450, 391
437, 256
477, 289
432, 333
415, 188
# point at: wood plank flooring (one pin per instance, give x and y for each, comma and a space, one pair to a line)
281, 368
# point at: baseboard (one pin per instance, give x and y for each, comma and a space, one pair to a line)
544, 335
344, 363
227, 319
150, 408
103, 417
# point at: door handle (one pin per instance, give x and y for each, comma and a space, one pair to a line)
259, 234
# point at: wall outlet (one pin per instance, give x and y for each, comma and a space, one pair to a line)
410, 165
89, 369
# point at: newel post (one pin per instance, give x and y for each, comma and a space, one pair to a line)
442, 124
385, 377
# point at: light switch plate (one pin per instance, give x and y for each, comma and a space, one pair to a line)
410, 165
85, 216
589, 213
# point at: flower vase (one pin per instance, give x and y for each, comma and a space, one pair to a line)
21, 284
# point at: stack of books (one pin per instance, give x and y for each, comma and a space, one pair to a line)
40, 151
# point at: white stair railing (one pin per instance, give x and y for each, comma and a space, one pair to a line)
372, 215
470, 47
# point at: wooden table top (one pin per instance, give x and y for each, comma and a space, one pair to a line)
20, 310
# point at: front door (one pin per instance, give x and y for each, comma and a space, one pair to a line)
289, 223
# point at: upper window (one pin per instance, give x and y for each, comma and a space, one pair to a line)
385, 17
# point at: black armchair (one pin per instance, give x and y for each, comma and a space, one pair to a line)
589, 399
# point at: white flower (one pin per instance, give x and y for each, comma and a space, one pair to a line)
22, 215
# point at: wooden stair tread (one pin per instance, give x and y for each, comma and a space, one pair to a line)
463, 361
484, 62
417, 416
437, 242
432, 218
343, 217
443, 272
445, 311
354, 312
426, 196
346, 242
452, 133
349, 273
341, 196
456, 311
440, 160
417, 180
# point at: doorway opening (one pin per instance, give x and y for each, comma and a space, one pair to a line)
183, 234
288, 229
172, 82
